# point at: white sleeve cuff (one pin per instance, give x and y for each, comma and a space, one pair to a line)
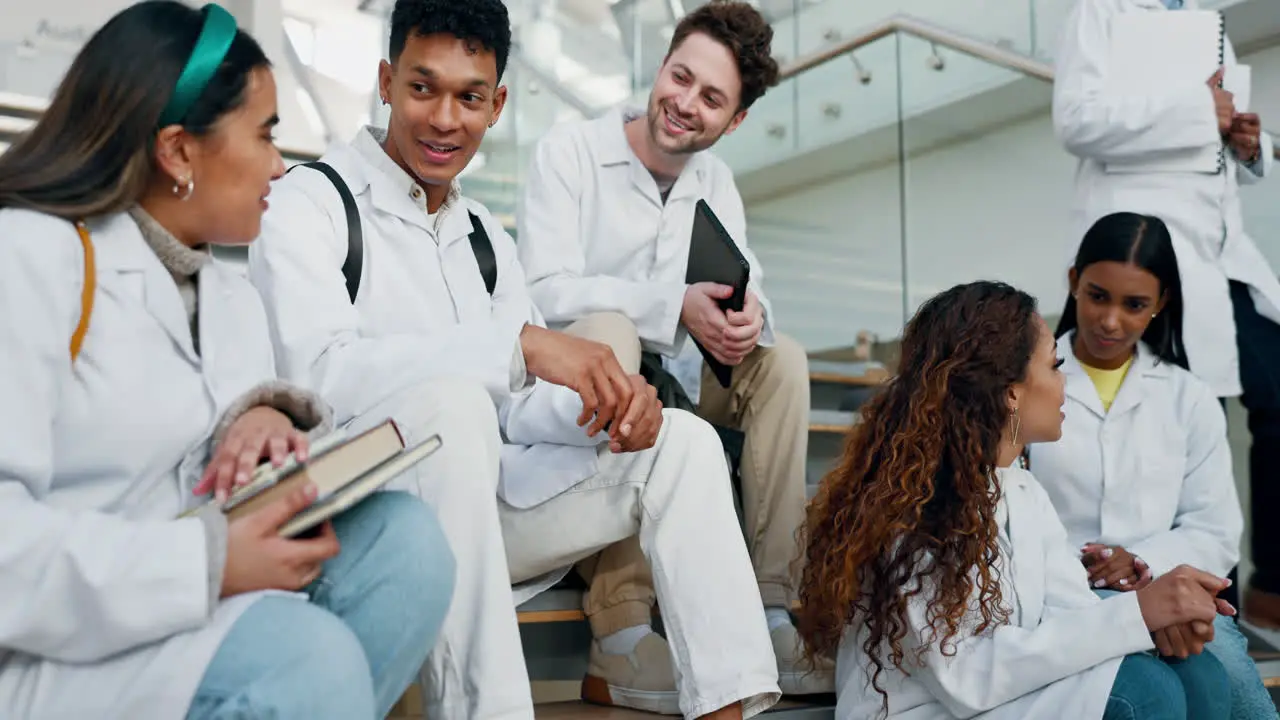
519, 377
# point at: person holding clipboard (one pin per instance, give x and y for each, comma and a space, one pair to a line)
1150, 97
624, 222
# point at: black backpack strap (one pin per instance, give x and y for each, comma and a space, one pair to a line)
355, 234
483, 250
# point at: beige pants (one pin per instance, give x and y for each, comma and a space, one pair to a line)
768, 400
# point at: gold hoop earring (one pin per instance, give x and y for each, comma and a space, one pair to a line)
183, 189
1015, 424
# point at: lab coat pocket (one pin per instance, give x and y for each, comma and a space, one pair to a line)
1159, 486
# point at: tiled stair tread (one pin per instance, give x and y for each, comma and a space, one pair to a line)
834, 421
847, 373
552, 606
575, 710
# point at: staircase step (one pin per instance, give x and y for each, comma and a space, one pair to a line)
830, 421
410, 709
852, 374
785, 710
577, 710
554, 605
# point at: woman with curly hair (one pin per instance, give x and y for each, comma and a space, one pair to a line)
936, 570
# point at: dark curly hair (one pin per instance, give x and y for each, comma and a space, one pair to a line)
911, 506
746, 33
483, 22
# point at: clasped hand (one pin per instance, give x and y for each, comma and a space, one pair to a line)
1179, 607
625, 406
728, 335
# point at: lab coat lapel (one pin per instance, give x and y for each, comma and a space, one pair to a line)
395, 201
1024, 535
689, 185
1134, 389
455, 222
387, 194
643, 180
1079, 387
217, 324
119, 247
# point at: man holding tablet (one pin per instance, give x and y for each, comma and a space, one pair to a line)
604, 230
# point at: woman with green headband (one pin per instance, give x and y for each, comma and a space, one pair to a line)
137, 372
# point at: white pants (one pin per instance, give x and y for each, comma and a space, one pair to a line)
676, 495
477, 670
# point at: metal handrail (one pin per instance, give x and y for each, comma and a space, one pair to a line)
897, 23
925, 30
944, 37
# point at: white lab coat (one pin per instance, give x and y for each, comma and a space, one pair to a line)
1201, 210
105, 603
1057, 658
422, 312
595, 235
1153, 475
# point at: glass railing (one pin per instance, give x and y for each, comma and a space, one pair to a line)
572, 59
872, 185
911, 159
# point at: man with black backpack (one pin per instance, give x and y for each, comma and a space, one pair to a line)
391, 294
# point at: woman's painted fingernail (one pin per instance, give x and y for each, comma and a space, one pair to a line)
1107, 553
1100, 583
1124, 581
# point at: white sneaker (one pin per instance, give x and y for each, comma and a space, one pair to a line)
644, 680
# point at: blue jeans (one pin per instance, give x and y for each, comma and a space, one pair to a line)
350, 652
1152, 688
1149, 687
1249, 698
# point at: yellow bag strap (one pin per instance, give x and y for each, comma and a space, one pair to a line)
86, 293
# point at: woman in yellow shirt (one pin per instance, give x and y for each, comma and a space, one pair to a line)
1141, 478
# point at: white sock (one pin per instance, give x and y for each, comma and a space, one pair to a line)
777, 617
625, 640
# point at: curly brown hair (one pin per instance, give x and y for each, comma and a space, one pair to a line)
746, 33
912, 503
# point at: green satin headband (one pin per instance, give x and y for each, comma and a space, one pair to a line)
211, 48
